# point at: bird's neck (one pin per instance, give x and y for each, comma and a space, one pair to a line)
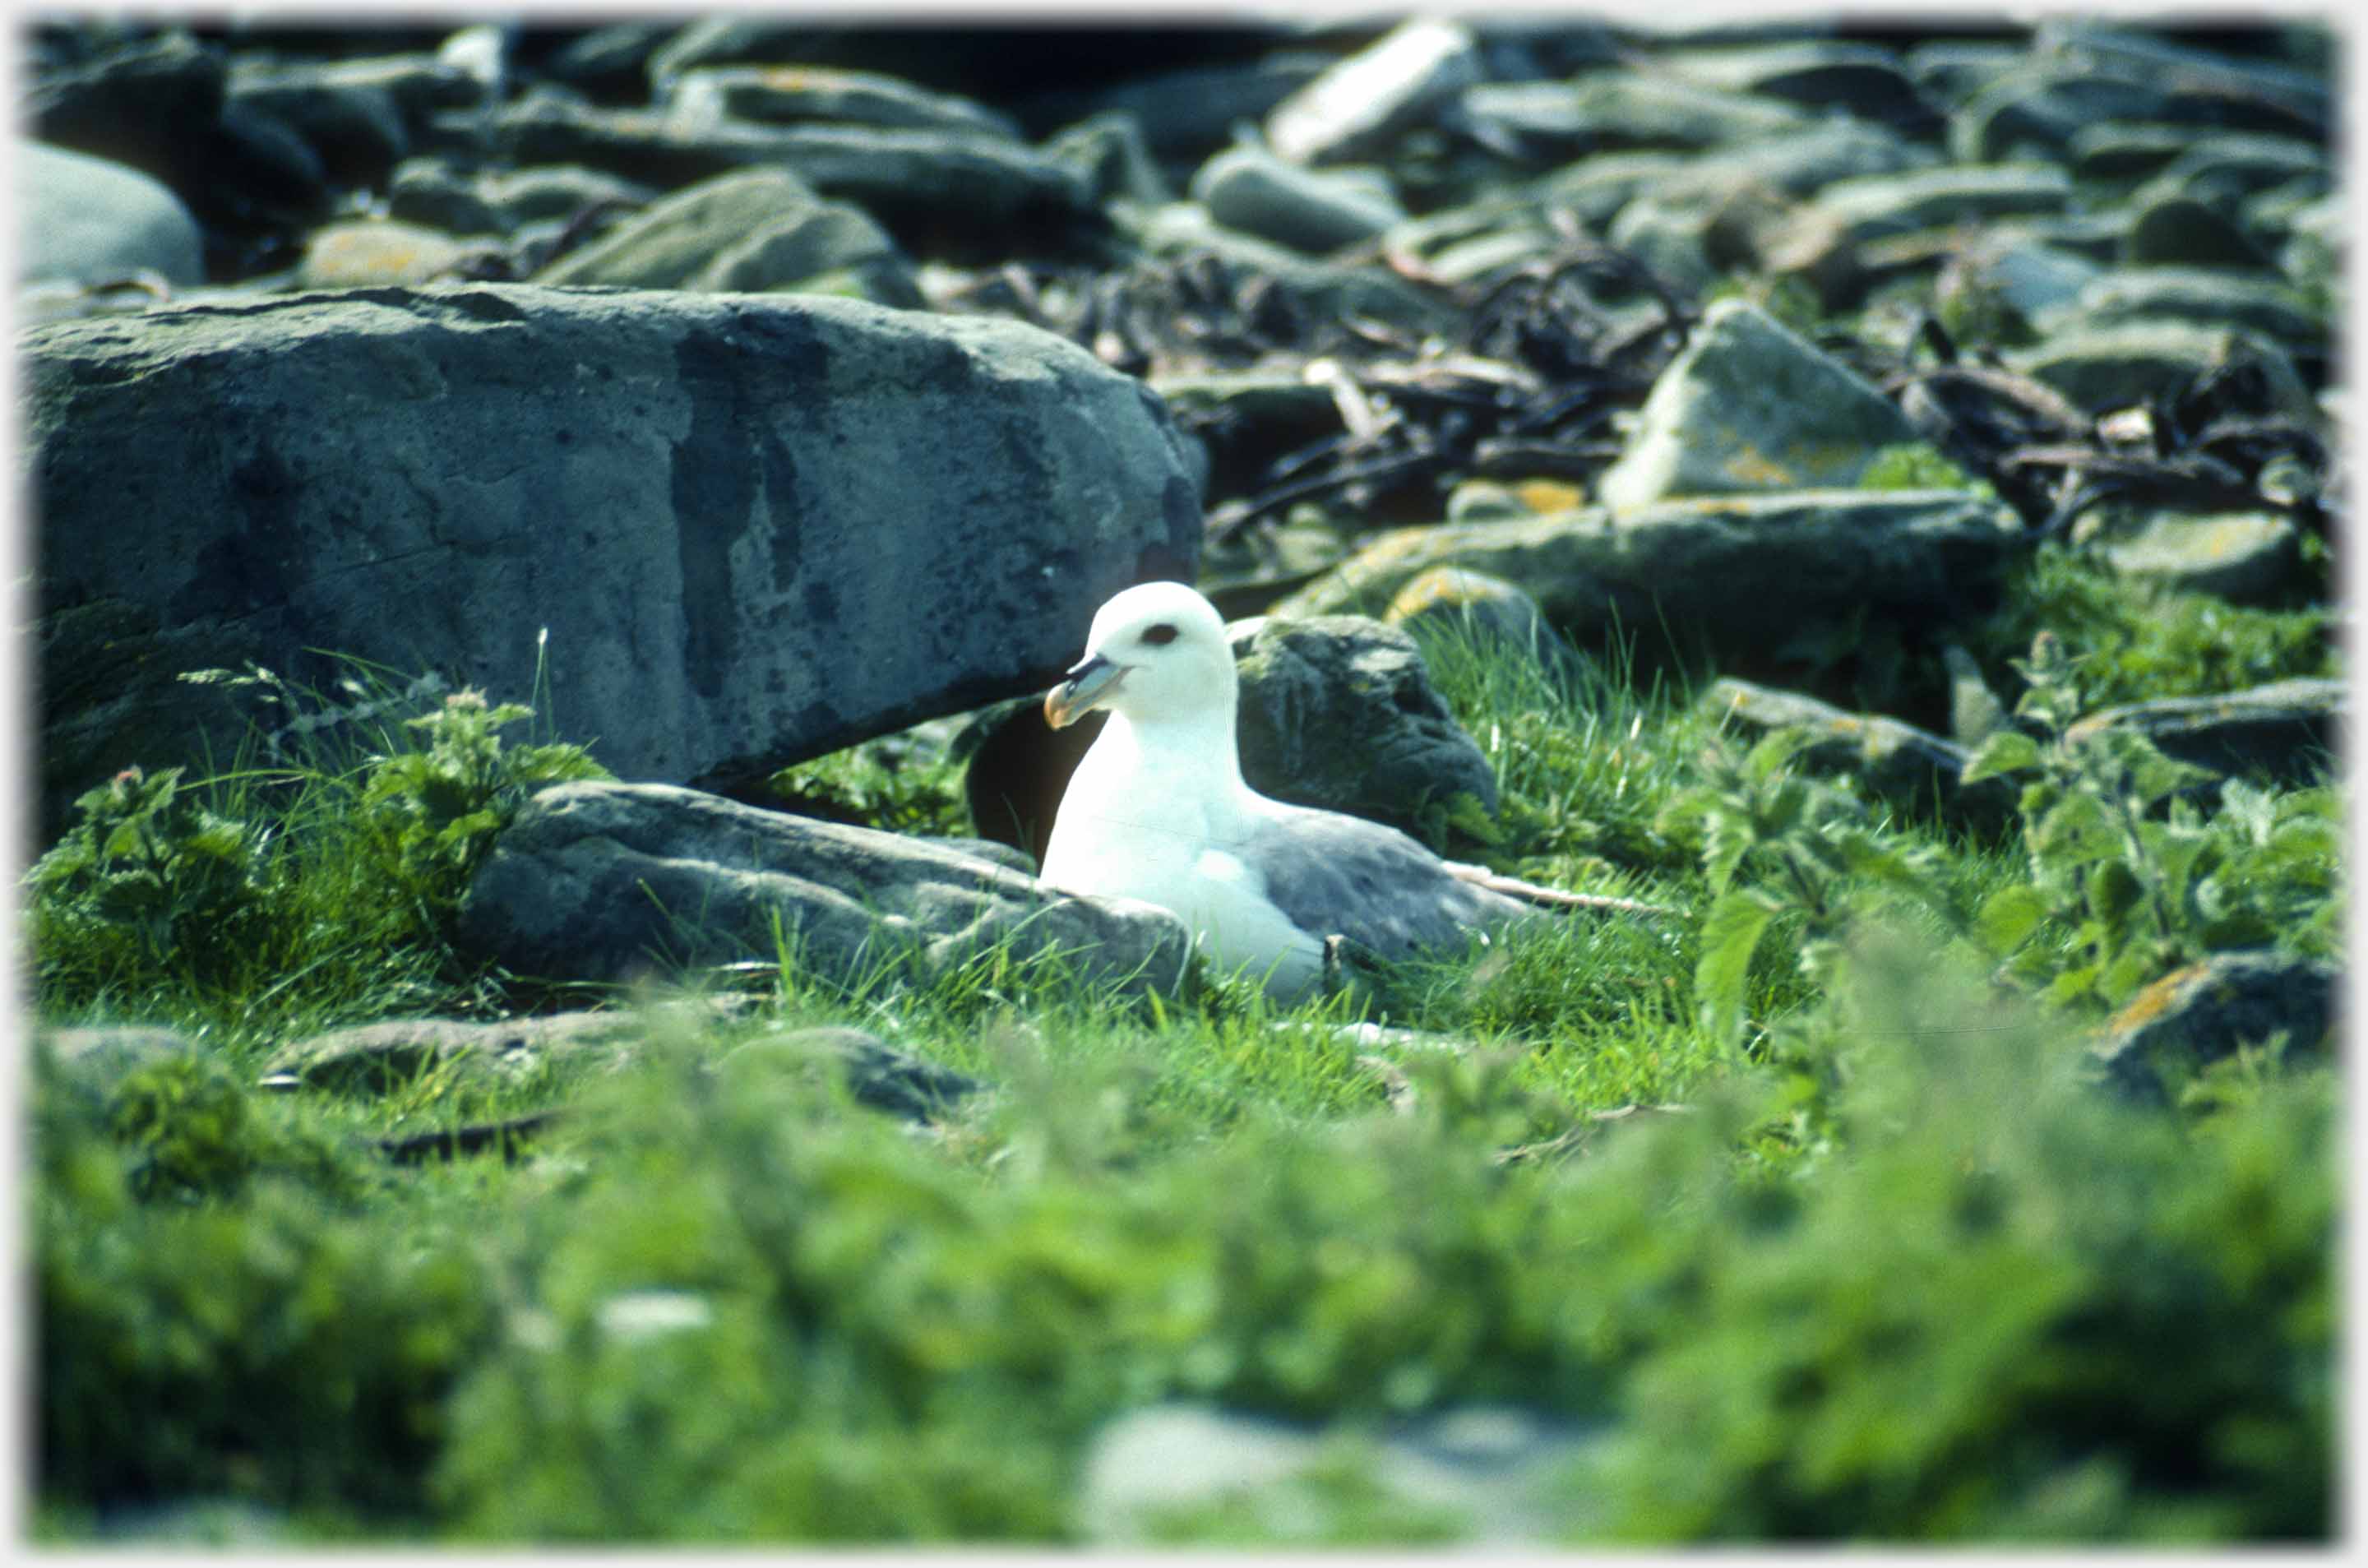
1200, 743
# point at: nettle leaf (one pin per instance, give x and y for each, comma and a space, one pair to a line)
2008, 916
2009, 751
2076, 827
1730, 934
2113, 891
1774, 753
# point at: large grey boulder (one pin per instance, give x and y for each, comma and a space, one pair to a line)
1339, 712
758, 528
1744, 572
85, 219
606, 881
1751, 405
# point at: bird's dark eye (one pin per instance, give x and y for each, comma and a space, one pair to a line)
1159, 634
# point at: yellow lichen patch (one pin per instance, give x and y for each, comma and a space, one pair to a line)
1550, 494
1753, 467
2153, 1001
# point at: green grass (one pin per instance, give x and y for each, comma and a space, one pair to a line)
1867, 1261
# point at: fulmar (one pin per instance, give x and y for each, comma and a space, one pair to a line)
1158, 810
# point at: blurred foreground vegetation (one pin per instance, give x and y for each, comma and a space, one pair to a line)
1802, 1203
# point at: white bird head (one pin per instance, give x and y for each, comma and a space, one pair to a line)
1157, 651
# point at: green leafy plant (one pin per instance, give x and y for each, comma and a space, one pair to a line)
434, 811
2127, 878
148, 866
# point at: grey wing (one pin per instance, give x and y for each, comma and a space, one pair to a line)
1334, 874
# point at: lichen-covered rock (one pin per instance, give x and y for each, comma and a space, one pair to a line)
2198, 1014
757, 528
1742, 571
1484, 606
603, 882
1750, 405
2243, 557
1894, 760
2289, 730
1338, 711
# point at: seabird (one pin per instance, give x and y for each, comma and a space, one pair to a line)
1158, 810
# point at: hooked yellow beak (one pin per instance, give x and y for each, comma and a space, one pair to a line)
1088, 686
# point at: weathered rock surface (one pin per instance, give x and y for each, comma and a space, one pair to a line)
711, 502
1338, 711
1743, 570
1895, 761
1750, 405
2289, 730
2198, 1014
2244, 557
876, 1074
603, 881
375, 1056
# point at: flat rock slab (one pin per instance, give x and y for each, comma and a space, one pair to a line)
1750, 405
1746, 571
2196, 1016
605, 882
378, 1055
2289, 730
758, 528
1894, 760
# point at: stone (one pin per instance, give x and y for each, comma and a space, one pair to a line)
1750, 405
666, 245
1745, 573
2169, 228
956, 188
2215, 167
833, 248
1856, 79
1250, 189
749, 232
356, 128
382, 1055
731, 513
2295, 98
1874, 206
1483, 607
1186, 114
375, 253
103, 1055
786, 95
1354, 110
1627, 111
1672, 237
610, 64
2030, 277
2204, 1012
85, 219
2243, 557
2212, 297
1110, 152
1491, 1476
2035, 111
2103, 368
2124, 150
876, 1074
1339, 712
1316, 289
1909, 767
2289, 731
440, 195
602, 882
